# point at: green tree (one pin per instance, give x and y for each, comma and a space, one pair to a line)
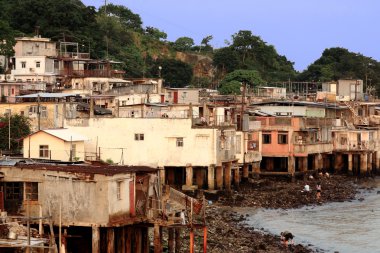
226, 59
7, 42
229, 84
125, 16
175, 73
20, 128
155, 33
205, 43
183, 44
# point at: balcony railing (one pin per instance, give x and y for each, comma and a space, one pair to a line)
91, 73
74, 55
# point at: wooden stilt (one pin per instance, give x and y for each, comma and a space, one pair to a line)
205, 239
171, 240
191, 241
110, 240
157, 239
138, 241
128, 239
95, 240
145, 240
178, 242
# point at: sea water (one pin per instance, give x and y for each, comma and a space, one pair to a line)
345, 227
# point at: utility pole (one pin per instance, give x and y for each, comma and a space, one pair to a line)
9, 127
242, 105
38, 112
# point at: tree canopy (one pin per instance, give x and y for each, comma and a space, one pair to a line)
233, 81
19, 128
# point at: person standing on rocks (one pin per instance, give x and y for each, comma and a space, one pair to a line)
319, 190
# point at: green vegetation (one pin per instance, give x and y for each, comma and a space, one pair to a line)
116, 33
20, 127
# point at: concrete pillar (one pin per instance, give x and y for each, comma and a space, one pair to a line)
95, 240
316, 162
269, 164
199, 176
304, 163
291, 167
189, 175
350, 164
219, 177
363, 164
245, 171
377, 160
369, 163
162, 175
178, 242
157, 239
374, 159
211, 177
227, 175
237, 176
110, 240
171, 240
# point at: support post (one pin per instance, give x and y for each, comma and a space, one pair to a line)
110, 240
291, 167
128, 240
245, 171
377, 160
157, 239
171, 240
178, 242
145, 240
227, 176
363, 164
189, 175
95, 240
205, 239
219, 177
237, 176
211, 177
369, 164
191, 240
350, 163
162, 175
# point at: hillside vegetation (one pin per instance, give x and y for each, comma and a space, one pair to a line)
115, 32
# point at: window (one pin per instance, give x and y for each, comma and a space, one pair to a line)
13, 191
33, 109
38, 64
252, 145
139, 137
282, 138
119, 189
31, 191
44, 151
43, 112
267, 138
23, 64
179, 142
123, 103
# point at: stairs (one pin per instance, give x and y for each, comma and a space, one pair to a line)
353, 108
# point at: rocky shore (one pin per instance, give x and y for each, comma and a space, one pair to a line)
228, 232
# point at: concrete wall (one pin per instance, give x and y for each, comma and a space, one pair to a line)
116, 139
83, 202
32, 46
349, 88
53, 119
58, 148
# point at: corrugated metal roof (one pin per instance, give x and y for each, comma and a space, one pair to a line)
65, 134
48, 95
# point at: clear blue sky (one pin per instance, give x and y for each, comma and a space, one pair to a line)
299, 29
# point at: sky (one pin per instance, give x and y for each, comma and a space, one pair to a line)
299, 29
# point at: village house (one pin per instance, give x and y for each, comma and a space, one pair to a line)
55, 144
95, 209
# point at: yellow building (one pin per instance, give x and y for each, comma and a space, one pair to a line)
55, 144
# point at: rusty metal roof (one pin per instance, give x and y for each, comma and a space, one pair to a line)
108, 170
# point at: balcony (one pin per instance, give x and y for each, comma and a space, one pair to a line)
74, 55
313, 148
355, 146
91, 73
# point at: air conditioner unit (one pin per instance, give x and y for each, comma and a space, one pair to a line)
31, 69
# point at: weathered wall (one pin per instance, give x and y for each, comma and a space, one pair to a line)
116, 139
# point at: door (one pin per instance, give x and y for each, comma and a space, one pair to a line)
175, 97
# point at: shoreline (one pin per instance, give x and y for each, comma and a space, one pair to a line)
229, 232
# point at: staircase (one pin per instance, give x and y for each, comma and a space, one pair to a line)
353, 106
